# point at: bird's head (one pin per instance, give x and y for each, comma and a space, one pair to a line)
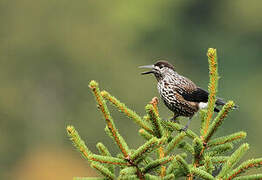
159, 69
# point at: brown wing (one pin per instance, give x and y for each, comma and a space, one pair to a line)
190, 92
187, 106
197, 95
186, 88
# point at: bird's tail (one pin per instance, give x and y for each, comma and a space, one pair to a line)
221, 102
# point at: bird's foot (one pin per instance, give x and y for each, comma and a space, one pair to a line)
184, 129
174, 119
186, 126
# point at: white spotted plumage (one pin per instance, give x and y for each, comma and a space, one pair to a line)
169, 84
179, 93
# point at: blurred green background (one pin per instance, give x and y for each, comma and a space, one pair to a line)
50, 50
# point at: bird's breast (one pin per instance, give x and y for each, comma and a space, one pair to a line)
166, 91
169, 93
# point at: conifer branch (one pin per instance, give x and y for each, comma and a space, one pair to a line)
202, 174
151, 177
186, 146
78, 142
145, 134
104, 152
247, 165
110, 124
162, 155
103, 170
145, 148
169, 177
212, 87
147, 160
198, 146
202, 114
173, 165
233, 159
155, 120
154, 103
109, 133
153, 159
124, 109
128, 177
219, 159
250, 177
178, 127
128, 171
151, 166
174, 143
218, 120
209, 167
183, 164
227, 139
102, 149
88, 178
87, 154
218, 150
108, 160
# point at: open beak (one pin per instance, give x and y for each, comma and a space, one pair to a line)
147, 67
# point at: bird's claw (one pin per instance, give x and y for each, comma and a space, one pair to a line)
175, 120
184, 129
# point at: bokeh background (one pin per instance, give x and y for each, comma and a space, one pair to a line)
50, 50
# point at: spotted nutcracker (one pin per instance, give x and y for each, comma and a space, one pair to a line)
179, 93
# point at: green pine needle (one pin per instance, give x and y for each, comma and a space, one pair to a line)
128, 171
88, 178
155, 120
108, 160
183, 164
173, 165
78, 142
200, 156
202, 174
177, 127
250, 177
236, 137
219, 119
103, 170
219, 159
151, 177
209, 167
212, 88
145, 134
148, 147
186, 146
247, 165
104, 152
220, 149
198, 146
128, 177
151, 166
110, 123
124, 109
169, 177
174, 142
234, 158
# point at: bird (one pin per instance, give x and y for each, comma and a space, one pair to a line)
182, 96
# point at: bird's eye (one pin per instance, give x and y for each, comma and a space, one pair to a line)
161, 66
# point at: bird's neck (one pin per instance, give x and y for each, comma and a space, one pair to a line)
169, 74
